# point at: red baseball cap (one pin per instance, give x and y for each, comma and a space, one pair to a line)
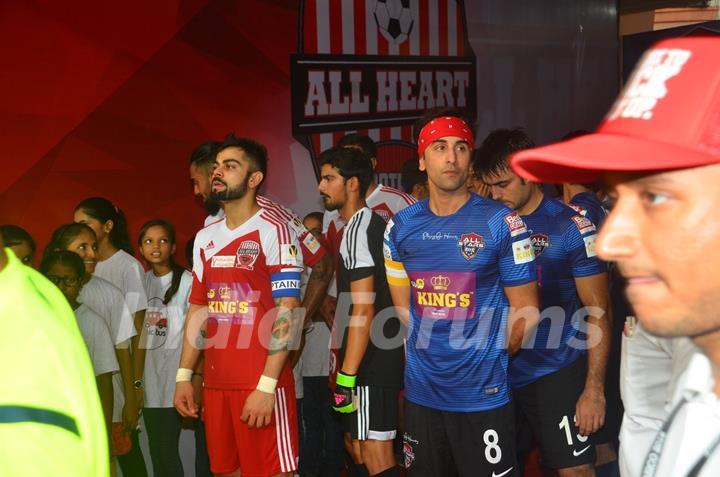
667, 117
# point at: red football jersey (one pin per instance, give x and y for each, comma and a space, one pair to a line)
237, 274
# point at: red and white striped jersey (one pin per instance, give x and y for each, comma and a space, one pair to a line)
312, 250
237, 274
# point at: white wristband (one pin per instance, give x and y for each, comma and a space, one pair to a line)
266, 384
183, 374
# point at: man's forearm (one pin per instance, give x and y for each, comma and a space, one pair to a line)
599, 329
358, 337
286, 328
317, 285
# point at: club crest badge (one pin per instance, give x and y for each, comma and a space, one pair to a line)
470, 244
247, 253
539, 242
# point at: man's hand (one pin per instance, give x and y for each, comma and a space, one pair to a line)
327, 310
184, 400
590, 410
344, 395
258, 409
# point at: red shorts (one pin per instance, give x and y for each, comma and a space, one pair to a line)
259, 452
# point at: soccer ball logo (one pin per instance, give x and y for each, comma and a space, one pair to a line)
394, 19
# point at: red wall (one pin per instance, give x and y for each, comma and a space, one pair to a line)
110, 99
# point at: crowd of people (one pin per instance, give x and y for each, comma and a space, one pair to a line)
447, 329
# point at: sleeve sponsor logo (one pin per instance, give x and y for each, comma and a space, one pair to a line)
590, 245
515, 224
222, 261
386, 235
311, 243
523, 251
580, 210
297, 226
386, 251
289, 255
583, 224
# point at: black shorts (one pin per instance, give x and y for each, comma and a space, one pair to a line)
376, 415
466, 444
547, 406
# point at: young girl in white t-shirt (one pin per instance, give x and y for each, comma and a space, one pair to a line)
167, 286
66, 270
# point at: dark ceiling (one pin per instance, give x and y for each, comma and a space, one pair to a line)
632, 6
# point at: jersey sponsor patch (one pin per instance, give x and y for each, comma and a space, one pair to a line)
297, 226
539, 242
222, 261
470, 244
311, 243
389, 227
444, 295
515, 224
590, 245
583, 224
247, 254
523, 251
386, 252
289, 254
578, 209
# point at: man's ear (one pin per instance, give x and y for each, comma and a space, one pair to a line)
256, 179
353, 184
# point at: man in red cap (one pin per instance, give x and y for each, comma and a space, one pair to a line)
658, 153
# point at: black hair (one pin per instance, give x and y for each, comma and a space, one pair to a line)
358, 140
64, 257
255, 152
15, 235
350, 162
314, 215
433, 113
410, 174
574, 134
203, 156
102, 209
492, 156
63, 235
189, 245
176, 270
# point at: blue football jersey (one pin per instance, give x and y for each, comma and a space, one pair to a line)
456, 267
564, 245
588, 204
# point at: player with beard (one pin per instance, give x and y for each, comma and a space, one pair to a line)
559, 388
246, 284
369, 373
314, 255
658, 154
458, 265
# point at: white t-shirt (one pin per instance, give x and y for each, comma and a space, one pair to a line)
696, 427
164, 330
108, 301
125, 272
650, 374
96, 335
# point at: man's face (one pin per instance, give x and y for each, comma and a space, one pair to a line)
231, 176
508, 188
201, 181
314, 226
663, 233
447, 162
332, 187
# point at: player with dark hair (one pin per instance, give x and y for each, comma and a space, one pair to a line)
19, 241
246, 284
202, 163
458, 265
658, 154
559, 388
369, 371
